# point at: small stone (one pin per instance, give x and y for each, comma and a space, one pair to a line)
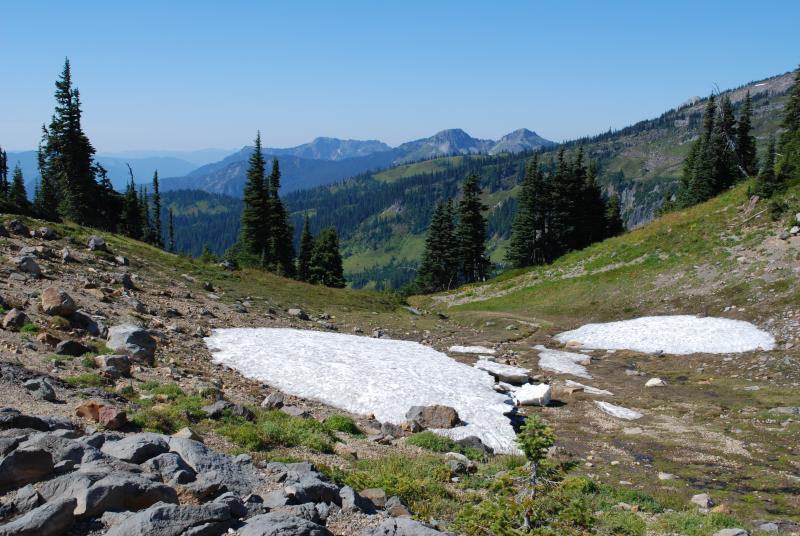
187, 433
121, 260
795, 230
273, 401
666, 476
655, 382
73, 348
375, 495
703, 500
27, 265
125, 280
298, 313
732, 532
45, 233
67, 256
15, 319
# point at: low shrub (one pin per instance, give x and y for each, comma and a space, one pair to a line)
29, 328
85, 380
342, 423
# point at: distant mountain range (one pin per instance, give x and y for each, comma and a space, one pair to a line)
328, 160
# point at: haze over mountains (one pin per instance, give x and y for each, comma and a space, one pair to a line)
327, 160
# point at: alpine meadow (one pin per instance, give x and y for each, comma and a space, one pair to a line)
534, 274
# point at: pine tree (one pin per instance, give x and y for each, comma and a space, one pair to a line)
47, 198
109, 202
470, 233
768, 181
255, 236
304, 255
438, 269
281, 246
171, 230
788, 165
614, 223
147, 226
17, 196
526, 232
4, 184
745, 142
158, 237
592, 214
131, 218
326, 261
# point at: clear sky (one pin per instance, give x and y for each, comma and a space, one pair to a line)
196, 74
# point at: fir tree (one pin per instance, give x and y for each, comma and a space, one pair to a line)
470, 233
47, 198
304, 255
17, 196
438, 269
768, 182
326, 261
592, 213
745, 142
526, 231
614, 223
158, 237
255, 236
4, 184
788, 165
171, 230
281, 246
144, 206
131, 217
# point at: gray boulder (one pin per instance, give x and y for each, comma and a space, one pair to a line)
15, 319
57, 302
281, 524
298, 313
60, 448
353, 502
26, 499
137, 448
73, 348
84, 321
40, 387
732, 532
170, 468
50, 519
403, 527
120, 492
215, 472
173, 520
273, 401
18, 228
435, 416
22, 467
96, 243
133, 341
45, 233
27, 265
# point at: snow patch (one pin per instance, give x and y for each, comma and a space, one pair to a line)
678, 335
365, 375
618, 411
588, 389
471, 350
503, 372
563, 362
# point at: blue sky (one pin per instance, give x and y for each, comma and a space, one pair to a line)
188, 75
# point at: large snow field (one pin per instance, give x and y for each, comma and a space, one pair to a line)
365, 375
678, 335
563, 362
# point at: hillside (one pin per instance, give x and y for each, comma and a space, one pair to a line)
382, 216
722, 258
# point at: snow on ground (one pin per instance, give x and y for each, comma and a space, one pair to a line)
678, 335
563, 362
503, 372
588, 388
618, 411
365, 375
471, 350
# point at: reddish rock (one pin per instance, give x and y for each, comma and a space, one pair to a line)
112, 418
57, 302
435, 416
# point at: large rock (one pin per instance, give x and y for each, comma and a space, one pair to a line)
96, 243
22, 467
12, 418
61, 449
41, 389
215, 472
403, 527
170, 468
84, 321
298, 313
119, 492
106, 414
121, 363
27, 265
45, 233
133, 341
533, 394
353, 502
50, 519
173, 520
435, 416
137, 448
57, 302
281, 524
18, 228
73, 348
15, 319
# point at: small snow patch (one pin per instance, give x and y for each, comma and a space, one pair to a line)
618, 411
364, 375
677, 335
471, 350
588, 389
563, 362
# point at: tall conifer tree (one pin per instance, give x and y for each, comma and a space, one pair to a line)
326, 261
470, 233
788, 165
17, 196
171, 230
438, 269
614, 223
745, 142
768, 182
255, 236
4, 184
281, 246
158, 237
304, 254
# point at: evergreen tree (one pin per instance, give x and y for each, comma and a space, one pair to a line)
745, 142
255, 236
304, 255
614, 223
470, 233
527, 231
592, 214
131, 217
281, 246
47, 198
4, 184
144, 205
326, 261
788, 165
438, 269
158, 236
768, 182
171, 230
17, 196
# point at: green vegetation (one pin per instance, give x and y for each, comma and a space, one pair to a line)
438, 443
88, 379
342, 423
277, 429
29, 328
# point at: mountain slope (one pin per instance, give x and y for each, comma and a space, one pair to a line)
332, 149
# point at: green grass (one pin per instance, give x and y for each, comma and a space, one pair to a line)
88, 361
438, 443
29, 328
693, 524
342, 423
277, 429
85, 380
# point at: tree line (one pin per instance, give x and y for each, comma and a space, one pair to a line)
266, 236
